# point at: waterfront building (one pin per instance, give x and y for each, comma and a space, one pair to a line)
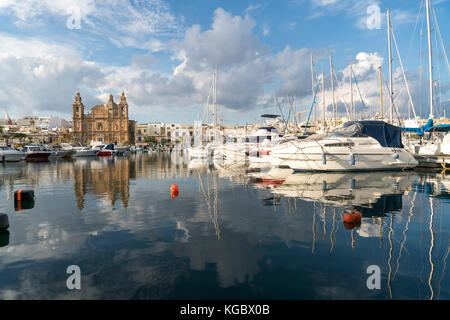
106, 122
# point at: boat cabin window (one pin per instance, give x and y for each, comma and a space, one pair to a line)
348, 132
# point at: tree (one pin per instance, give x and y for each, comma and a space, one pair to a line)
1, 129
150, 140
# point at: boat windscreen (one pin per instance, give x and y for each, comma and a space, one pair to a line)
386, 134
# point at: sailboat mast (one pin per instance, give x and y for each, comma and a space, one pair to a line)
215, 99
332, 90
313, 87
352, 108
430, 59
391, 85
381, 94
323, 100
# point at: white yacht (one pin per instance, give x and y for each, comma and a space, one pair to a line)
237, 151
8, 154
357, 146
85, 152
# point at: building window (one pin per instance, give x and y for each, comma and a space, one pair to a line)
99, 126
139, 131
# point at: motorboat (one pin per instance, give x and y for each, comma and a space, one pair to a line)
36, 153
259, 157
8, 154
85, 152
105, 151
236, 150
357, 146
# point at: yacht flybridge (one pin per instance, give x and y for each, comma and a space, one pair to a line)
357, 146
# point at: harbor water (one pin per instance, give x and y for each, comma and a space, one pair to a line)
227, 234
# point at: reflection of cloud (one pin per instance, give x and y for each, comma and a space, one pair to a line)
368, 230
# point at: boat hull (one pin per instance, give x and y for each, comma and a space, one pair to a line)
12, 157
37, 157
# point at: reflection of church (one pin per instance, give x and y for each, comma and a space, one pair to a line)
110, 179
106, 122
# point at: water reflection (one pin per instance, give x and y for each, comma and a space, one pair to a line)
228, 234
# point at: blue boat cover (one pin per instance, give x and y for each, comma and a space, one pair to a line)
420, 131
386, 134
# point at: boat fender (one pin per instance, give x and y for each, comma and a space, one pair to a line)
324, 185
324, 158
352, 159
396, 156
352, 184
4, 221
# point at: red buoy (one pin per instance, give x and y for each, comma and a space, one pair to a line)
173, 194
349, 218
174, 188
357, 215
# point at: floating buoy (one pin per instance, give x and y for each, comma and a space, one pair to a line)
24, 199
351, 226
173, 194
352, 220
4, 221
357, 215
173, 188
4, 238
349, 218
21, 195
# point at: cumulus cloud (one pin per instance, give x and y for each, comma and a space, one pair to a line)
35, 75
41, 76
129, 23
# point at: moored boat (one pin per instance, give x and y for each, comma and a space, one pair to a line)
358, 146
8, 154
36, 153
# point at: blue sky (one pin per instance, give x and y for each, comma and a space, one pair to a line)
163, 54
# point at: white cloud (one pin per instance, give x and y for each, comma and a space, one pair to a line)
133, 23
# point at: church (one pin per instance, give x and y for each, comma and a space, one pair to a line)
106, 122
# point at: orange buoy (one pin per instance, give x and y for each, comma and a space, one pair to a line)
174, 194
357, 215
173, 188
349, 218
350, 226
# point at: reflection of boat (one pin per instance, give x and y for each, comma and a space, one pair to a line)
8, 154
358, 146
36, 153
356, 189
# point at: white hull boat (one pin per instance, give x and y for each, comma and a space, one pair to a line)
359, 146
8, 154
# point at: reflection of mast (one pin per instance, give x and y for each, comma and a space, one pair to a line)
391, 248
332, 231
207, 196
314, 226
411, 207
431, 248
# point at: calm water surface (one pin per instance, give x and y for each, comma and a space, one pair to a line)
227, 235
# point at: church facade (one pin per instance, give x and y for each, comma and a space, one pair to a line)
105, 122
